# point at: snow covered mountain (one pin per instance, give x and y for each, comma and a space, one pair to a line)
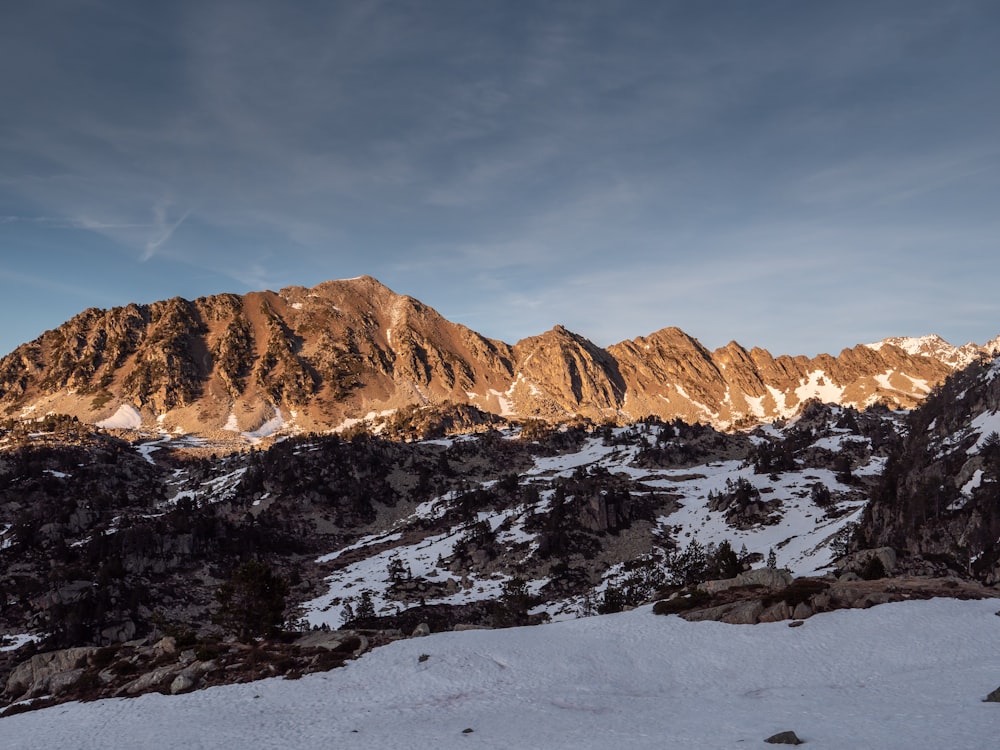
937, 348
320, 359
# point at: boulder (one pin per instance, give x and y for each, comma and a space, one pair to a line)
149, 681
479, 557
31, 678
993, 697
802, 611
122, 632
707, 614
769, 578
421, 630
166, 645
714, 587
877, 597
735, 613
332, 640
62, 681
744, 613
821, 602
776, 613
65, 594
183, 682
784, 738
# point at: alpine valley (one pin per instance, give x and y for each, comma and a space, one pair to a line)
195, 493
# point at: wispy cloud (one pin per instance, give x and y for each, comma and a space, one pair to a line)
881, 181
70, 223
545, 155
163, 228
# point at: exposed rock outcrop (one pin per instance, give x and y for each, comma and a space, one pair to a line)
737, 602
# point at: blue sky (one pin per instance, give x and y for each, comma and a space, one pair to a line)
801, 176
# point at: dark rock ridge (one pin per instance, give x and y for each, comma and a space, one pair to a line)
318, 359
939, 497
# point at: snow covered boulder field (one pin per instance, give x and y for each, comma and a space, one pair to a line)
907, 675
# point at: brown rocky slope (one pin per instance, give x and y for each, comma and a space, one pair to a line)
322, 358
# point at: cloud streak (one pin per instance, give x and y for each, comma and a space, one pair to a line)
164, 229
525, 153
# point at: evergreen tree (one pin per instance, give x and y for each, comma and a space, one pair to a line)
252, 601
512, 606
612, 601
366, 608
725, 563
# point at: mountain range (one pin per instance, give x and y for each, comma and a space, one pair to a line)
118, 546
343, 352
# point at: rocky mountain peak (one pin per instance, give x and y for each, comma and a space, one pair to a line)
935, 347
320, 358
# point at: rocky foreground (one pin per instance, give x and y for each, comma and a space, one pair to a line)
172, 665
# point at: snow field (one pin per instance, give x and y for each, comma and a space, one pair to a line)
910, 675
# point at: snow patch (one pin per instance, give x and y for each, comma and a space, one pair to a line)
506, 406
818, 385
267, 429
126, 418
780, 404
14, 642
369, 417
972, 484
756, 406
985, 424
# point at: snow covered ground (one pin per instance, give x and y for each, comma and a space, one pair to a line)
801, 540
910, 675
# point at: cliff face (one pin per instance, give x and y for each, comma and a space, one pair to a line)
316, 359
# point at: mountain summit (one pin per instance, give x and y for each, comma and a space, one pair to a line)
343, 351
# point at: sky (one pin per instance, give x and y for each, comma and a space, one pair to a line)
801, 176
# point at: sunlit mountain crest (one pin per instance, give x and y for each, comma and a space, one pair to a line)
343, 352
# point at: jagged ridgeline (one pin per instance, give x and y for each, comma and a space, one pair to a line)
316, 359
